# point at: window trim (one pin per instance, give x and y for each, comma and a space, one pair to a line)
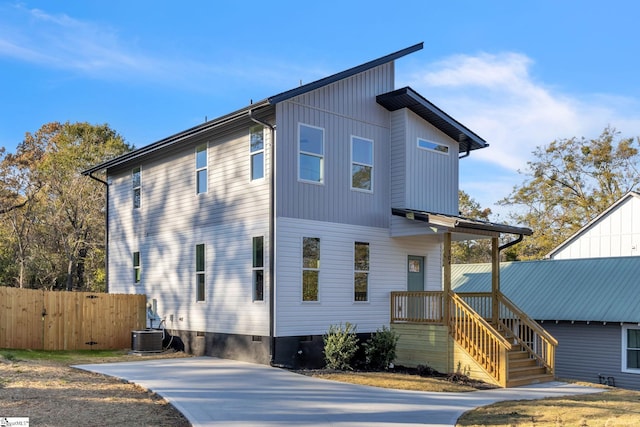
356, 271
201, 296
257, 268
137, 188
353, 162
205, 168
308, 153
317, 269
254, 153
623, 355
137, 268
433, 150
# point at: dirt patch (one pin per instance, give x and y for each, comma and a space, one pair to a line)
53, 394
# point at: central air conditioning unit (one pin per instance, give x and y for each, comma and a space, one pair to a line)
147, 341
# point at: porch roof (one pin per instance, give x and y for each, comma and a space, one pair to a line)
459, 224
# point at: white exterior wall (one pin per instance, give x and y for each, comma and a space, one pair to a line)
615, 234
388, 272
172, 219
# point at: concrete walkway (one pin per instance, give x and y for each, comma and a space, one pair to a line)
219, 392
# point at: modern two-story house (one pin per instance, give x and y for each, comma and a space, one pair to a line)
254, 232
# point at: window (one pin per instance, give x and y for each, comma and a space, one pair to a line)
136, 184
311, 154
310, 268
200, 261
361, 271
136, 267
201, 169
257, 152
631, 349
361, 164
258, 268
432, 146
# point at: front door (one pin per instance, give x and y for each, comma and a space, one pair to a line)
415, 273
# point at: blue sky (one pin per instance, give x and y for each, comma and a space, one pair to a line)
520, 74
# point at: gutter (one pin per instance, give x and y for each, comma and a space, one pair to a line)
106, 231
272, 189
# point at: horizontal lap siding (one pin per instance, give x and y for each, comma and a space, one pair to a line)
173, 219
388, 272
586, 351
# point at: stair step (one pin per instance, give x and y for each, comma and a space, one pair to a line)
522, 363
526, 371
533, 379
518, 354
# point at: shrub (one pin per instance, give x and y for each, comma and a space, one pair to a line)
340, 344
380, 349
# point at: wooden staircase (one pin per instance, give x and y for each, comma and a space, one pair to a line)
522, 369
510, 346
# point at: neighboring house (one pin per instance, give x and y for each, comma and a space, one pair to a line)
615, 232
254, 232
591, 306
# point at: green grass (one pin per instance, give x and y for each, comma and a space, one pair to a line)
58, 356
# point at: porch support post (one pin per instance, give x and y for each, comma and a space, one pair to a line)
495, 279
446, 264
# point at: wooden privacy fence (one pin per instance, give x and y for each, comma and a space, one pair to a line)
54, 320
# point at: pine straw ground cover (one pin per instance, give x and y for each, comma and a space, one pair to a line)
42, 387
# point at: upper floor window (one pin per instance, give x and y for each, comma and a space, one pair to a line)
258, 268
361, 271
361, 164
257, 152
136, 184
201, 169
311, 153
310, 268
136, 267
433, 146
200, 272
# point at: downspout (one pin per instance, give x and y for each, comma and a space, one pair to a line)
467, 153
511, 243
272, 172
106, 232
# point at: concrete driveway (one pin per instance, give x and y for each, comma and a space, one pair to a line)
220, 392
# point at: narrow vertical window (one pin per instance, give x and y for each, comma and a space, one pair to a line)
361, 271
136, 267
136, 184
258, 268
257, 152
361, 164
311, 153
201, 169
200, 278
310, 268
632, 350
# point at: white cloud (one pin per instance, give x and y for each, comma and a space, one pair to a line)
497, 97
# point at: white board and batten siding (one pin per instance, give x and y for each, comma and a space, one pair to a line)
343, 109
173, 219
388, 272
616, 233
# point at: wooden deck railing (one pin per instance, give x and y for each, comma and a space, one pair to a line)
416, 307
478, 338
526, 332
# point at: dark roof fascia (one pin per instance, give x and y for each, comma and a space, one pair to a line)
408, 98
171, 140
344, 74
460, 224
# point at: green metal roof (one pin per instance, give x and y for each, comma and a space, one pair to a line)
594, 289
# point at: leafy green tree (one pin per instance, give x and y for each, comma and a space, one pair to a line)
570, 182
471, 251
57, 214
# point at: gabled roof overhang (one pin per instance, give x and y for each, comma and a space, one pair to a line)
458, 224
408, 98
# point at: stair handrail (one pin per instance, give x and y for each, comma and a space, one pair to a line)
548, 340
473, 343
